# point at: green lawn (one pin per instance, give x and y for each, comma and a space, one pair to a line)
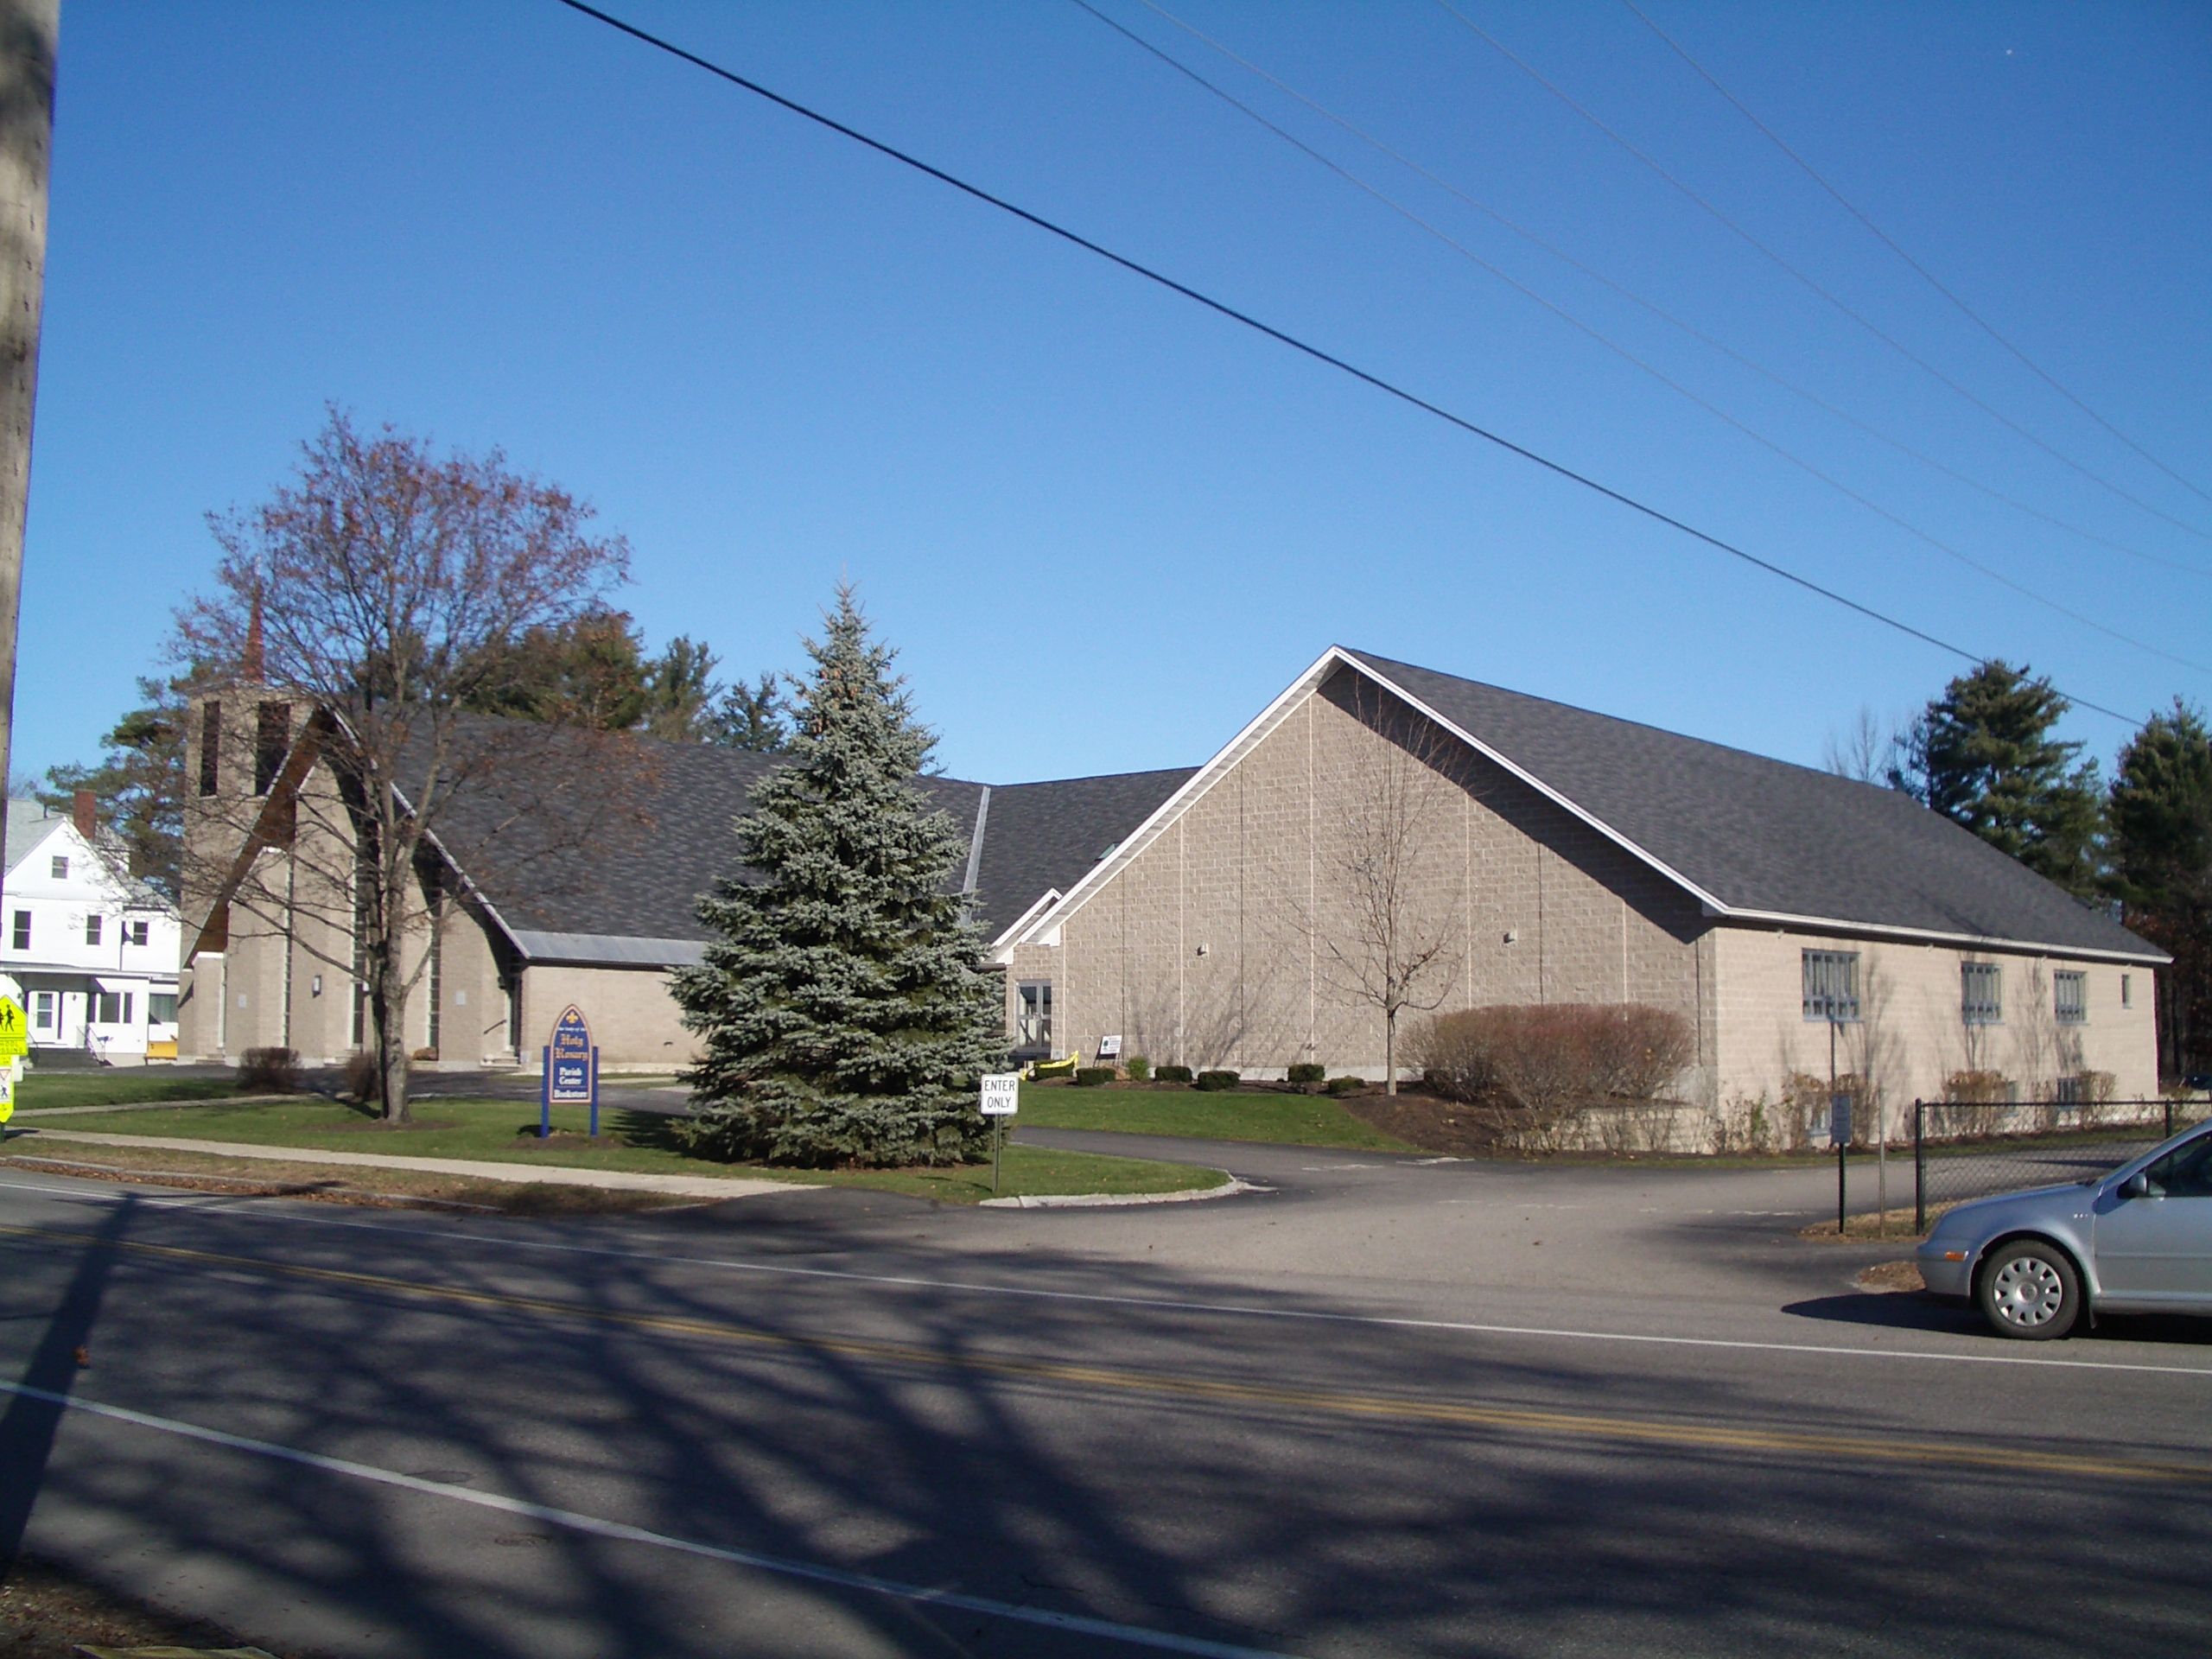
117, 1086
1285, 1120
495, 1131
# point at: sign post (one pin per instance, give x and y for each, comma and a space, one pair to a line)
15, 1033
571, 1076
14, 1048
1002, 1096
1839, 1133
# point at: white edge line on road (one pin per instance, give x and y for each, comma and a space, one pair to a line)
1159, 1304
1077, 1623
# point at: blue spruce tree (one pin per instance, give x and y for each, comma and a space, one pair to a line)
843, 1006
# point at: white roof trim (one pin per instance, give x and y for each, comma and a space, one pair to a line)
2149, 958
1032, 924
975, 838
1193, 786
1539, 785
1272, 716
46, 827
1003, 947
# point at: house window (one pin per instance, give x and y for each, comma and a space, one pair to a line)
1981, 993
62, 866
2069, 995
160, 1008
22, 933
111, 1008
2127, 990
134, 933
1832, 985
42, 1010
272, 735
2069, 1091
1032, 1014
211, 743
93, 928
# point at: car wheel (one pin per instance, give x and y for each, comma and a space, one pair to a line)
2030, 1290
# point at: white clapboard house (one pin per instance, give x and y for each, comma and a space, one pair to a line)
92, 951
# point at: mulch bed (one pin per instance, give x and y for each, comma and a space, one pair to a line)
46, 1613
1429, 1122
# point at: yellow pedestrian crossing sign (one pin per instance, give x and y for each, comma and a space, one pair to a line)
15, 1032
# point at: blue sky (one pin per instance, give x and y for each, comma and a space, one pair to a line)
1103, 526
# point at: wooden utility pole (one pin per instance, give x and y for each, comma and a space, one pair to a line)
29, 32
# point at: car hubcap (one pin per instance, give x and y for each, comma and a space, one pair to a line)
2028, 1291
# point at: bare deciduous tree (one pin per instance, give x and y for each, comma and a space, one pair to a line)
341, 783
1388, 914
1864, 751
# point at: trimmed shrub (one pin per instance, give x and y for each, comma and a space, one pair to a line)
276, 1070
1093, 1076
1138, 1067
1341, 1086
1546, 1058
1307, 1071
1171, 1073
1977, 1088
1214, 1081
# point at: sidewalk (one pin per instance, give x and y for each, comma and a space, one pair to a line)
689, 1186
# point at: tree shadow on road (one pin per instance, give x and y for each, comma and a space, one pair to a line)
1279, 1483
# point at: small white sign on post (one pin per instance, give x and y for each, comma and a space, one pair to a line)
1109, 1048
1002, 1093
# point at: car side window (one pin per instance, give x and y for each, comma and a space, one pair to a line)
2184, 1173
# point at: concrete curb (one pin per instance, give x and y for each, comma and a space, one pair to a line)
156, 1105
689, 1186
1228, 1189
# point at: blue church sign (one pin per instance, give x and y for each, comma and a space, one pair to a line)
571, 1074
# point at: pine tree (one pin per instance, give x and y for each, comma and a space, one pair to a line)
2161, 814
1982, 755
843, 1006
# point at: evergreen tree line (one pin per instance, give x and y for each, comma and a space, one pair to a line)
1984, 754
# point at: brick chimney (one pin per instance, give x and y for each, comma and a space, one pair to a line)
82, 811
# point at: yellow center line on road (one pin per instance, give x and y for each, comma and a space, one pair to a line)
2010, 1458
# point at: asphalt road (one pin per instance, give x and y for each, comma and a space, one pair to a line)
1390, 1406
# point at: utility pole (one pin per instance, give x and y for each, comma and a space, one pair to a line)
29, 30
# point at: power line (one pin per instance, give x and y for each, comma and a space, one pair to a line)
1630, 357
1654, 308
1810, 283
1890, 242
1220, 309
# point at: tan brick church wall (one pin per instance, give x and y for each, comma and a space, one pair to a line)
1209, 946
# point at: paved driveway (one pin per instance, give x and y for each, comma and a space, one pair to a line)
1392, 1405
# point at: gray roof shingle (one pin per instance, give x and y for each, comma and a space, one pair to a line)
581, 890
1763, 835
1042, 836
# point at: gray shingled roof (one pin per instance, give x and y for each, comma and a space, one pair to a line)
29, 822
1042, 836
1763, 835
616, 893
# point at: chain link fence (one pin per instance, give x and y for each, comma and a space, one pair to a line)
1969, 1149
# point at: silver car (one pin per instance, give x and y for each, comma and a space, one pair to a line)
2136, 1240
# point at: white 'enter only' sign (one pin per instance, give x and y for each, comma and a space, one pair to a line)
1002, 1093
